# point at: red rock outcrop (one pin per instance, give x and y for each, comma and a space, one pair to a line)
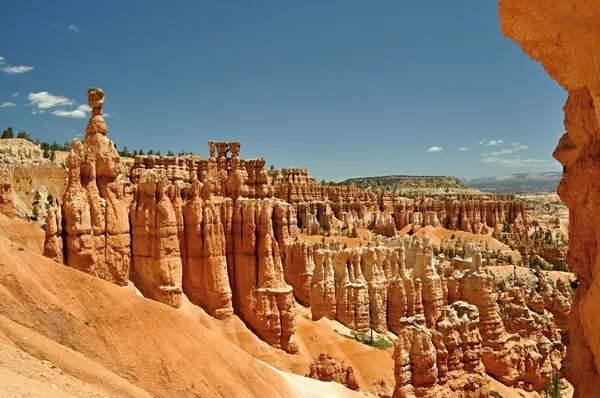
260, 293
564, 37
205, 275
7, 206
325, 368
440, 361
156, 269
96, 203
53, 244
529, 357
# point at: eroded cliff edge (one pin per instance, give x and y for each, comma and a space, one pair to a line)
564, 35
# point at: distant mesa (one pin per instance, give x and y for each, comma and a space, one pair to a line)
410, 185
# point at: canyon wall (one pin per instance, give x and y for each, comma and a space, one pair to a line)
564, 36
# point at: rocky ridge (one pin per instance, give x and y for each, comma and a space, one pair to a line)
413, 185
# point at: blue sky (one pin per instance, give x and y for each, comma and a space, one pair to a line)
343, 88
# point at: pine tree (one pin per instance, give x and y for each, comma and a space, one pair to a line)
375, 316
52, 155
170, 153
49, 201
8, 133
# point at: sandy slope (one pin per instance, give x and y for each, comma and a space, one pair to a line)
119, 343
370, 365
26, 234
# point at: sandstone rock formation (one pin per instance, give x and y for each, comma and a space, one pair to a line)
384, 212
325, 368
53, 245
397, 279
440, 361
7, 205
564, 37
96, 203
207, 228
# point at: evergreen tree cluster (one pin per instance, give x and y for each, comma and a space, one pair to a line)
50, 149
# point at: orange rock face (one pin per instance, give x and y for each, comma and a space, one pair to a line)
157, 269
443, 360
325, 368
53, 245
7, 206
95, 208
564, 36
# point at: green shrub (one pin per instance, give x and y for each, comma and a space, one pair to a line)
379, 342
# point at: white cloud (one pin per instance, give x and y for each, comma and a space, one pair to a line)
516, 162
74, 114
7, 104
482, 141
518, 146
502, 152
16, 95
16, 70
37, 111
84, 108
463, 149
106, 115
1, 60
45, 100
494, 142
434, 149
74, 28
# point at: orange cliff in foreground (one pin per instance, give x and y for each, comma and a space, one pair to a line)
564, 35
